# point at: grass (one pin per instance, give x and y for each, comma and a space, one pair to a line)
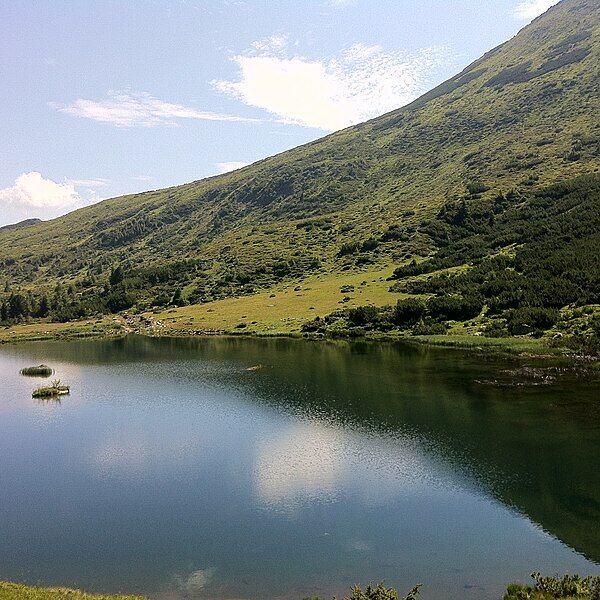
56, 389
105, 326
546, 588
283, 308
512, 345
16, 591
39, 371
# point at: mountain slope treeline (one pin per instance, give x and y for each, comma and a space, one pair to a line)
414, 183
524, 257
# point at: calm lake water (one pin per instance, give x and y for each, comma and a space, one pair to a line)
173, 471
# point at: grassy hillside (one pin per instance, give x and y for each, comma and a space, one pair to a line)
522, 117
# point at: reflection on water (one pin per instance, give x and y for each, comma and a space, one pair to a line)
172, 470
315, 462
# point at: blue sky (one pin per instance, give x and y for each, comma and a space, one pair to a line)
110, 97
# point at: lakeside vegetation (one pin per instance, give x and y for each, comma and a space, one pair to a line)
17, 591
572, 587
569, 587
528, 266
516, 267
378, 592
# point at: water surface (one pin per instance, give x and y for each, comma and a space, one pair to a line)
173, 471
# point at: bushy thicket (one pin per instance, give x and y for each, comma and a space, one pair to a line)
569, 587
528, 256
572, 587
91, 295
156, 285
379, 592
421, 317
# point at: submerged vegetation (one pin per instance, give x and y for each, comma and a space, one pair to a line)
39, 371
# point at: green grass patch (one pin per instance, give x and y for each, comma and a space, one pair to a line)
16, 591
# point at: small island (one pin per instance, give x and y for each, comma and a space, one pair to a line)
56, 389
39, 371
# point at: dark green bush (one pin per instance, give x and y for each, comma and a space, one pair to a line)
409, 311
379, 592
429, 326
496, 329
531, 320
363, 315
455, 308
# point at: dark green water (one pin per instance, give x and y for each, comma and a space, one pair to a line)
172, 471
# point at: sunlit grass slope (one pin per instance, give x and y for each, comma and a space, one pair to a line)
285, 307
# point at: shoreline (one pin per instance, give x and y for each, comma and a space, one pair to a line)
120, 327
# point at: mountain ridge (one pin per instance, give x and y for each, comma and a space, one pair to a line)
21, 224
522, 116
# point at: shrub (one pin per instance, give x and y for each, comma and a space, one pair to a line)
534, 320
429, 327
476, 187
408, 311
348, 248
380, 593
363, 315
550, 588
455, 308
496, 329
119, 300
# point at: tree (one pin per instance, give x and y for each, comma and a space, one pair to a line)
177, 299
18, 307
43, 307
116, 276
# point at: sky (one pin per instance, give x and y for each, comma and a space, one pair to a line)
110, 97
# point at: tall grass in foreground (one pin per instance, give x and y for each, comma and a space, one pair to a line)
569, 587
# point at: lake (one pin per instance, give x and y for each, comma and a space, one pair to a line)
173, 471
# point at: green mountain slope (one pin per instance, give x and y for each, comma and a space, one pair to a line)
525, 115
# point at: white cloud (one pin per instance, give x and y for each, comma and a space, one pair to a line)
138, 109
225, 167
273, 43
530, 9
313, 462
31, 190
332, 94
89, 183
32, 195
